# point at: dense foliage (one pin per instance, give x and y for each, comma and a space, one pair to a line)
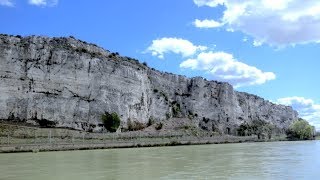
301, 130
111, 121
257, 127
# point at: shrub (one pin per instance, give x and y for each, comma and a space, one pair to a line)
151, 121
257, 127
176, 109
174, 143
206, 120
111, 121
135, 125
159, 126
83, 50
112, 55
300, 130
145, 64
44, 123
155, 90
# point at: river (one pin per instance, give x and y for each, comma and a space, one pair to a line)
270, 160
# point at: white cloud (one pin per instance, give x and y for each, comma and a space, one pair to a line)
43, 2
209, 3
207, 23
257, 43
223, 66
245, 39
275, 22
175, 45
307, 108
6, 3
219, 65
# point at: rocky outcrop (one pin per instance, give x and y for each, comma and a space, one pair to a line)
64, 82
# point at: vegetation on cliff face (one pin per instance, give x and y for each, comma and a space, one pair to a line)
260, 128
111, 121
301, 130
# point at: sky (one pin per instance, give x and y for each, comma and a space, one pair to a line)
264, 47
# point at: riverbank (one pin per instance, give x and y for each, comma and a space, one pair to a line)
15, 148
17, 138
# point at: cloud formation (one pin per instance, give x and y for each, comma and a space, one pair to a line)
307, 108
207, 23
274, 22
174, 45
43, 3
8, 3
218, 65
223, 66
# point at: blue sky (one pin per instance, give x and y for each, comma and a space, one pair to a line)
265, 47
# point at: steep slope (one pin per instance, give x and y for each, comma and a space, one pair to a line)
66, 82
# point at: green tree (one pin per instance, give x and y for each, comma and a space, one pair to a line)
300, 129
111, 121
257, 127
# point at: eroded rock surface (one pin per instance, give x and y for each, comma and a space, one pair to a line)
64, 82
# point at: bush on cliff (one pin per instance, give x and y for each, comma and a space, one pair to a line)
111, 121
159, 126
300, 130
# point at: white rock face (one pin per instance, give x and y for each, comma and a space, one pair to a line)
72, 83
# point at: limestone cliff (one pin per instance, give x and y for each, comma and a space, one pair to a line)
71, 83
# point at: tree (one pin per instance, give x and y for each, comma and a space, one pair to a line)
111, 121
257, 127
300, 130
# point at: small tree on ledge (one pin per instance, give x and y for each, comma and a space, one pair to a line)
111, 121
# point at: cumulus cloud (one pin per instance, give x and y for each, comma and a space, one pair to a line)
174, 45
307, 108
207, 23
218, 65
223, 66
43, 2
6, 3
275, 22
